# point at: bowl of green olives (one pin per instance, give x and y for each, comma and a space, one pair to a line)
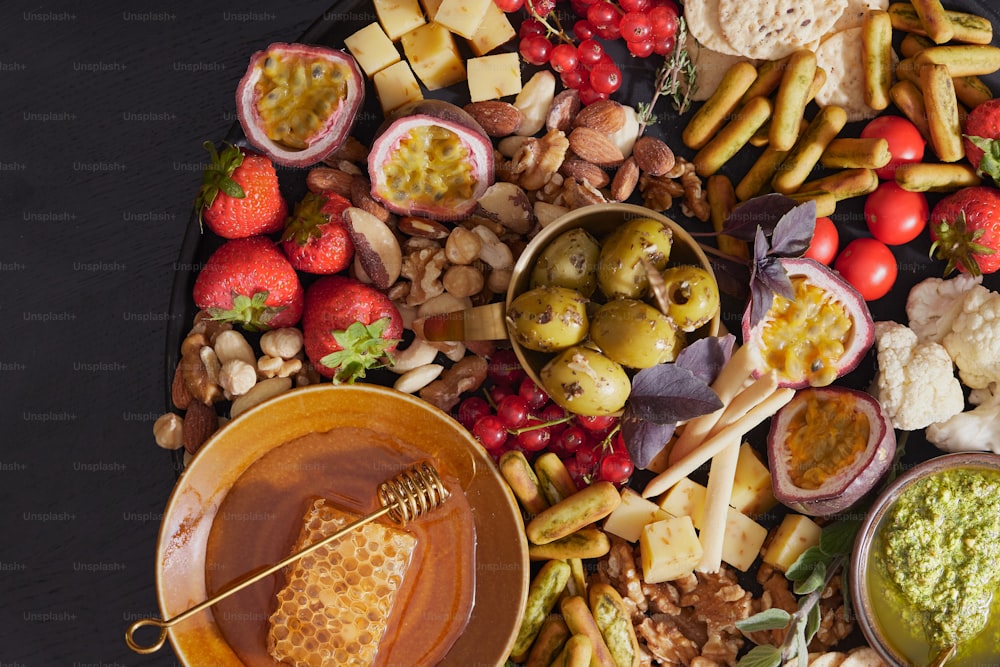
596, 295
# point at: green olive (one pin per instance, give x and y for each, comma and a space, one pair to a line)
584, 381
620, 270
569, 260
548, 319
635, 334
692, 296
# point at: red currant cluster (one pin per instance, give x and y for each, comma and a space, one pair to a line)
517, 414
581, 61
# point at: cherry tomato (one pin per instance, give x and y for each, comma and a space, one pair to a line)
894, 215
905, 142
868, 265
825, 241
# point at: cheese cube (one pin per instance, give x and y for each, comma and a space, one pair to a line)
669, 549
395, 86
752, 493
399, 17
431, 7
632, 514
493, 77
434, 56
372, 48
495, 29
795, 534
462, 17
743, 540
685, 498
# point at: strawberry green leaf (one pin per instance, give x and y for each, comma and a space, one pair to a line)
218, 176
307, 219
362, 347
989, 164
251, 313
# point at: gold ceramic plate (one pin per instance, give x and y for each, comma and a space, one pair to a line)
501, 549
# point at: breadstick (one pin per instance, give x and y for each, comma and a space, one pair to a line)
745, 400
715, 444
717, 497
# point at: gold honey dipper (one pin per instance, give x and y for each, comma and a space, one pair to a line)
407, 496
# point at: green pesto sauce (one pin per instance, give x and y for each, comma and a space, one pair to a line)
940, 547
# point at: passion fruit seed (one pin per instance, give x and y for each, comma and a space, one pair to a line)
692, 295
429, 163
823, 438
804, 339
297, 95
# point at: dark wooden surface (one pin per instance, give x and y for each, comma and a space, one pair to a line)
104, 110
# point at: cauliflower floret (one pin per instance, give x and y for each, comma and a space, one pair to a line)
974, 339
932, 304
916, 382
973, 430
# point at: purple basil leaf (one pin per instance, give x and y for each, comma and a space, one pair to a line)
667, 393
764, 211
643, 439
761, 298
706, 356
771, 273
794, 231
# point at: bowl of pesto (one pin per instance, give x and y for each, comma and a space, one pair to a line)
926, 564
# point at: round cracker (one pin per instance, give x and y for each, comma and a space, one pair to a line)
702, 17
854, 13
840, 56
828, 659
711, 66
772, 29
863, 656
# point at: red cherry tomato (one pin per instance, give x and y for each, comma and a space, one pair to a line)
905, 142
894, 215
825, 241
868, 265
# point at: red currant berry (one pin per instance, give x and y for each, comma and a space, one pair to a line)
642, 49
534, 440
535, 49
634, 5
513, 411
531, 27
563, 58
582, 30
588, 95
588, 455
663, 21
533, 394
635, 27
569, 441
608, 32
471, 410
605, 78
574, 79
664, 47
498, 392
490, 431
595, 423
603, 13
504, 368
616, 468
589, 52
508, 6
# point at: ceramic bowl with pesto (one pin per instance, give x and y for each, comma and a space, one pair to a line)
925, 569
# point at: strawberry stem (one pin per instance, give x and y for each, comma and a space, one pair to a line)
250, 312
362, 347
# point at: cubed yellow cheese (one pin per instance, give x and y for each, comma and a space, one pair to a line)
743, 540
495, 29
795, 534
752, 493
669, 549
685, 498
399, 17
372, 48
632, 514
395, 86
434, 56
493, 77
431, 7
462, 17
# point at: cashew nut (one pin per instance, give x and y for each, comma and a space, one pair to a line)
414, 380
261, 391
416, 354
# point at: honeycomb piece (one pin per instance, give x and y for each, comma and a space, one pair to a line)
336, 603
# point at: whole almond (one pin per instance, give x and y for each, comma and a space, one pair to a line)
200, 422
179, 394
653, 156
498, 118
594, 146
625, 180
605, 116
565, 107
328, 179
585, 172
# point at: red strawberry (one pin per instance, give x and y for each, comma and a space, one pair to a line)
250, 282
982, 138
316, 239
349, 327
965, 227
239, 194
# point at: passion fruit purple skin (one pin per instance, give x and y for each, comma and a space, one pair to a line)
443, 114
337, 126
863, 335
845, 489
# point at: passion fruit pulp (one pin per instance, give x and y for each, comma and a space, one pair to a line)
297, 103
815, 338
827, 448
430, 159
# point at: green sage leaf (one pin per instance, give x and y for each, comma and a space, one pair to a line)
813, 619
803, 566
761, 656
769, 619
813, 582
837, 539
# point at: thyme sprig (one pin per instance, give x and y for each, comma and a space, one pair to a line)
676, 78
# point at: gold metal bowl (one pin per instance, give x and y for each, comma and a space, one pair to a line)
501, 556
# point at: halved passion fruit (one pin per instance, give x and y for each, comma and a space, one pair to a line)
817, 337
297, 103
432, 159
827, 448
